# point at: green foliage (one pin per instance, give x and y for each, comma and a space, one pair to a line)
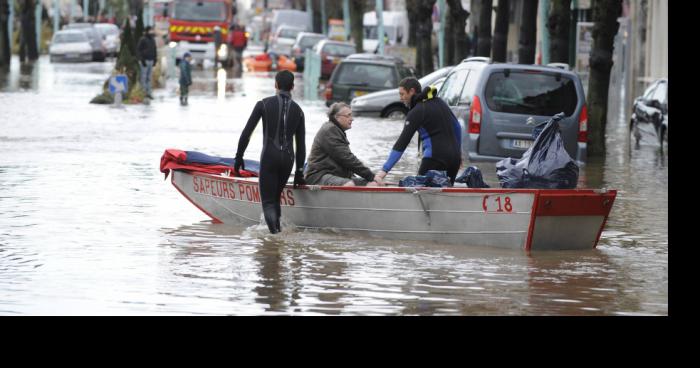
127, 63
103, 99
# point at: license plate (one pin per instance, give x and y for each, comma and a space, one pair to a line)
73, 56
522, 143
358, 93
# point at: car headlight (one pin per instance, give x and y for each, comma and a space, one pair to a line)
359, 102
223, 51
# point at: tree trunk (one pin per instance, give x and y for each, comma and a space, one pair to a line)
357, 8
27, 46
484, 30
605, 27
528, 33
412, 13
500, 33
5, 48
316, 21
424, 33
558, 26
461, 44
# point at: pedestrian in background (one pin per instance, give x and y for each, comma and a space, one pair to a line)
185, 77
147, 55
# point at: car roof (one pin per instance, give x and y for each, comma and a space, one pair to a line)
79, 25
380, 59
487, 63
63, 31
328, 40
301, 34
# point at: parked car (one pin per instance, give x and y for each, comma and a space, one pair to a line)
498, 106
99, 51
70, 45
650, 111
111, 35
283, 40
304, 41
386, 103
360, 74
331, 53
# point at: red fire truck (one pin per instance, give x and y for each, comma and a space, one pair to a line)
192, 28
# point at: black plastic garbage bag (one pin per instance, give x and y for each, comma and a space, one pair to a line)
472, 177
432, 178
545, 165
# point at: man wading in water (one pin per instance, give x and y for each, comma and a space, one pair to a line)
282, 120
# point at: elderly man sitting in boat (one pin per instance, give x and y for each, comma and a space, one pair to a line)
331, 162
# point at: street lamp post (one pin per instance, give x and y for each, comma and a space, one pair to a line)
10, 23
56, 15
37, 25
346, 18
441, 33
380, 25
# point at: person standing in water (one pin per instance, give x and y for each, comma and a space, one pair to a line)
283, 120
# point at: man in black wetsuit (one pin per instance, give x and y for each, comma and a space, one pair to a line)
283, 120
440, 132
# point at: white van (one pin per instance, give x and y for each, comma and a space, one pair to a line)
395, 27
290, 17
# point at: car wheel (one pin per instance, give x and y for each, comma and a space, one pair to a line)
395, 113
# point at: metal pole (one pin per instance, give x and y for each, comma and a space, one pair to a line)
544, 12
85, 10
346, 18
441, 33
380, 25
310, 12
37, 25
324, 21
70, 16
56, 15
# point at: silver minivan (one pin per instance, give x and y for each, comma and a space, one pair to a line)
499, 104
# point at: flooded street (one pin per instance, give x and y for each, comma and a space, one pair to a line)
88, 226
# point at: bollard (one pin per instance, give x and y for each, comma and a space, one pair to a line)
118, 99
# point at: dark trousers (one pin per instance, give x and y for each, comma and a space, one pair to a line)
428, 163
275, 169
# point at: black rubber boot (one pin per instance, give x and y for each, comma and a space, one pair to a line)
271, 218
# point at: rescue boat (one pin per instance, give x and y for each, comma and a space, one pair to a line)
263, 63
527, 219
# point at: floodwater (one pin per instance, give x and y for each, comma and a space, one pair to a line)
88, 226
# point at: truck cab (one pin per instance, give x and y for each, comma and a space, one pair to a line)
192, 29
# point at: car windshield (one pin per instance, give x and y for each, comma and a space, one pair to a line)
289, 33
69, 37
433, 76
370, 75
660, 93
531, 93
309, 41
338, 50
202, 10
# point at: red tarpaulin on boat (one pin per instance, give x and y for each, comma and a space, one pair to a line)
174, 159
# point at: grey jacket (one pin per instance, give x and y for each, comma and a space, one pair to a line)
330, 154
